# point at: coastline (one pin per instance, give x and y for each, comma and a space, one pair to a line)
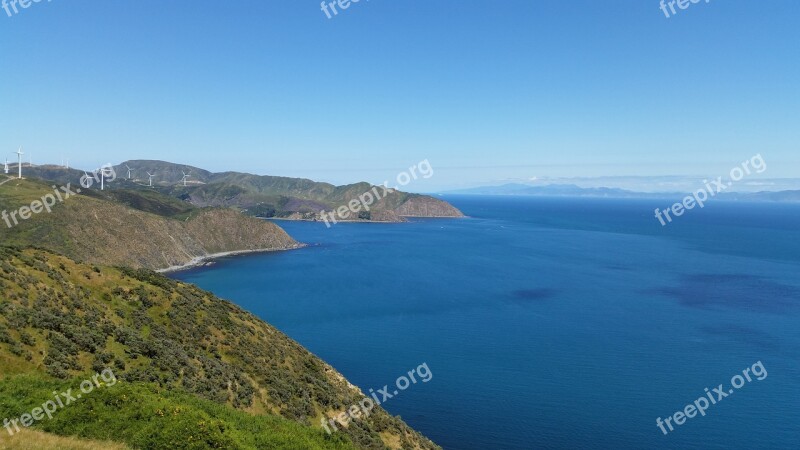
203, 260
287, 219
366, 221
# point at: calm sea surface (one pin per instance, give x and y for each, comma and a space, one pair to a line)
550, 323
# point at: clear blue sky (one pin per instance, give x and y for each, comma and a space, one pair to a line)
490, 90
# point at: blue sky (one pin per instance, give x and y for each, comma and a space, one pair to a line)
486, 91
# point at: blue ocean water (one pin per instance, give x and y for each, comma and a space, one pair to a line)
550, 323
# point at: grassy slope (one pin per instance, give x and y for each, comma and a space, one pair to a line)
61, 319
28, 439
142, 415
139, 229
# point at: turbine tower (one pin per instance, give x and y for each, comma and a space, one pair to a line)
6, 166
19, 154
102, 173
150, 177
185, 176
129, 171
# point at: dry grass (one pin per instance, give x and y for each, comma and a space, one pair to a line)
28, 439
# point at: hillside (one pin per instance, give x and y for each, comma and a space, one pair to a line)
133, 228
270, 196
36, 440
190, 370
256, 195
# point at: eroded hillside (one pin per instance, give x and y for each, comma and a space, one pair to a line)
105, 228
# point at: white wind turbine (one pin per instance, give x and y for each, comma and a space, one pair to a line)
102, 172
129, 171
19, 154
6, 166
150, 177
185, 176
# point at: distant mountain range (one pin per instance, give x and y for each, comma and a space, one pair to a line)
571, 190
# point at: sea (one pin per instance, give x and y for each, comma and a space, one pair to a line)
556, 323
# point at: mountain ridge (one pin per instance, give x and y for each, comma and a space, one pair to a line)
285, 197
263, 196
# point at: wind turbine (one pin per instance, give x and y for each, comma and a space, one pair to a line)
150, 176
129, 171
19, 154
102, 174
185, 177
6, 166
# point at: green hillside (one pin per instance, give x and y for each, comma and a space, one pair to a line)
283, 197
193, 371
146, 416
131, 227
255, 195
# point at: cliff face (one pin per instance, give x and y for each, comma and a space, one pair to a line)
391, 208
125, 237
102, 231
424, 206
